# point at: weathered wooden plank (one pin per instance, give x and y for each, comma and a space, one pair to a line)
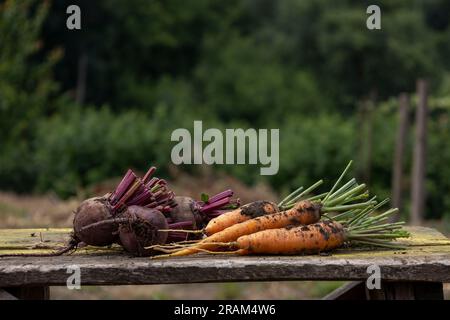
419, 153
41, 240
429, 291
425, 265
30, 293
407, 290
46, 240
355, 290
427, 260
390, 290
423, 236
4, 295
399, 153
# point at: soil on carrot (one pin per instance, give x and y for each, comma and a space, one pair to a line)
258, 208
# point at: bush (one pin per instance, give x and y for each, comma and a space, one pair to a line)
86, 146
313, 148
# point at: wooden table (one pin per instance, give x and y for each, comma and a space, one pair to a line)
415, 273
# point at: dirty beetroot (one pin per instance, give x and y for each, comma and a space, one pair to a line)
139, 213
142, 230
130, 216
199, 213
144, 212
92, 211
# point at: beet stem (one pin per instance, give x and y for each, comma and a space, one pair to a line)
215, 205
148, 174
104, 222
123, 186
224, 194
181, 224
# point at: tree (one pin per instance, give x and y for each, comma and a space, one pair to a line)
26, 87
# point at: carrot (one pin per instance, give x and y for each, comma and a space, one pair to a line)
256, 209
315, 238
363, 229
323, 236
246, 212
303, 213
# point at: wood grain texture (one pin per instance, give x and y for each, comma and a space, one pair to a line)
427, 259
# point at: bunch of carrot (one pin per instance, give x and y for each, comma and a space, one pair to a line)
343, 215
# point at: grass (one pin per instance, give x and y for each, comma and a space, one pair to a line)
289, 290
320, 289
7, 209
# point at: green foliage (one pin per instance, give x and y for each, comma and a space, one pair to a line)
25, 88
84, 146
438, 169
244, 81
313, 148
438, 155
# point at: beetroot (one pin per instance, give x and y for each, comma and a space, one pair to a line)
95, 221
92, 211
185, 210
200, 212
99, 220
135, 213
141, 229
190, 214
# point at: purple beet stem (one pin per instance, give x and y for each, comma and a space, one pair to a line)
123, 186
215, 205
148, 174
180, 225
150, 192
224, 194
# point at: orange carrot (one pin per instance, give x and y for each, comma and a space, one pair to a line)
258, 209
304, 212
315, 238
244, 213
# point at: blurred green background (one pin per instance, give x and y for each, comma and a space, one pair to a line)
80, 106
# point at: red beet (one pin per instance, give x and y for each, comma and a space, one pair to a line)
200, 212
141, 230
134, 209
93, 224
184, 211
92, 211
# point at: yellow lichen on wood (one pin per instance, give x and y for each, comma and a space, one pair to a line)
423, 236
41, 240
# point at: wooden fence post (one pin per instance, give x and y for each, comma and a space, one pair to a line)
400, 148
419, 156
80, 92
365, 142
